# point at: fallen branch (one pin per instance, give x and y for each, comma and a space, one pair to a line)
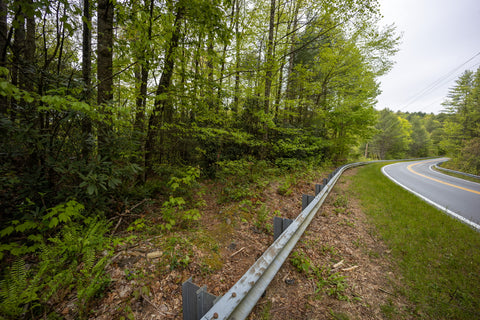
338, 264
117, 225
127, 213
111, 260
350, 268
237, 252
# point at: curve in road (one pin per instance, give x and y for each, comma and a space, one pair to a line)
457, 197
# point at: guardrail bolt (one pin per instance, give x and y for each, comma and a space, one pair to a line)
215, 315
234, 294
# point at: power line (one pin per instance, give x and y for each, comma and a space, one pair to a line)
434, 85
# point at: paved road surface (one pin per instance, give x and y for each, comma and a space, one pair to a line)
460, 198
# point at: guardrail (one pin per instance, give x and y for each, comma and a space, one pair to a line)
239, 301
453, 171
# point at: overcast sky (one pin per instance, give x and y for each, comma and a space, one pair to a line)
439, 37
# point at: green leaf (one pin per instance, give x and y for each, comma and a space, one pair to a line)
27, 225
64, 216
7, 231
53, 223
35, 237
91, 189
28, 98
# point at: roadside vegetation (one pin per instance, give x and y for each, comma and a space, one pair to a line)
457, 175
437, 256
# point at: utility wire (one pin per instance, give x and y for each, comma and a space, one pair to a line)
434, 85
443, 98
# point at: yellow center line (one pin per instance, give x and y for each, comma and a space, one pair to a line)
436, 180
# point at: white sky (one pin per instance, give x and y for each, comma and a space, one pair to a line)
439, 36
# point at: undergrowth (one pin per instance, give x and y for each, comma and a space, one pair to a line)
331, 283
59, 255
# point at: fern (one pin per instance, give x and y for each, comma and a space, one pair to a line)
68, 263
15, 292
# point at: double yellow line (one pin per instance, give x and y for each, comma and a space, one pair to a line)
436, 180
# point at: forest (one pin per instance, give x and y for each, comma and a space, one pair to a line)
104, 104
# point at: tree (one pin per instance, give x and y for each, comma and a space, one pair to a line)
421, 143
87, 76
163, 108
462, 127
105, 14
3, 49
392, 139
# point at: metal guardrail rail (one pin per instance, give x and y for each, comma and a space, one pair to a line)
453, 171
239, 301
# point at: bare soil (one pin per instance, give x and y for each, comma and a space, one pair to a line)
147, 278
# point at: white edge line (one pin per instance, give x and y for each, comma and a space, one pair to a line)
457, 178
439, 206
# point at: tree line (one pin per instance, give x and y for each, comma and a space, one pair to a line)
455, 132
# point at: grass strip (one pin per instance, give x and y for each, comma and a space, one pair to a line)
438, 257
457, 175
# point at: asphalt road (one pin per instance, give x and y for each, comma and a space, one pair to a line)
459, 198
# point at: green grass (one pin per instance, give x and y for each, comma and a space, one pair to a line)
437, 256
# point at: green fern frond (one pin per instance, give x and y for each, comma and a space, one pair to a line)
15, 291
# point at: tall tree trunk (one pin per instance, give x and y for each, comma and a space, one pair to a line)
281, 66
269, 63
30, 49
224, 53
87, 145
18, 53
3, 49
163, 108
289, 90
236, 95
62, 41
142, 78
212, 104
104, 65
87, 50
104, 51
18, 46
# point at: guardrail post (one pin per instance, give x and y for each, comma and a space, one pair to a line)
205, 301
306, 199
325, 181
280, 225
318, 189
196, 301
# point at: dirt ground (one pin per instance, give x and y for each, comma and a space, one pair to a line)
355, 277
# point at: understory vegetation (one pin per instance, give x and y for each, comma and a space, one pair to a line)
437, 256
